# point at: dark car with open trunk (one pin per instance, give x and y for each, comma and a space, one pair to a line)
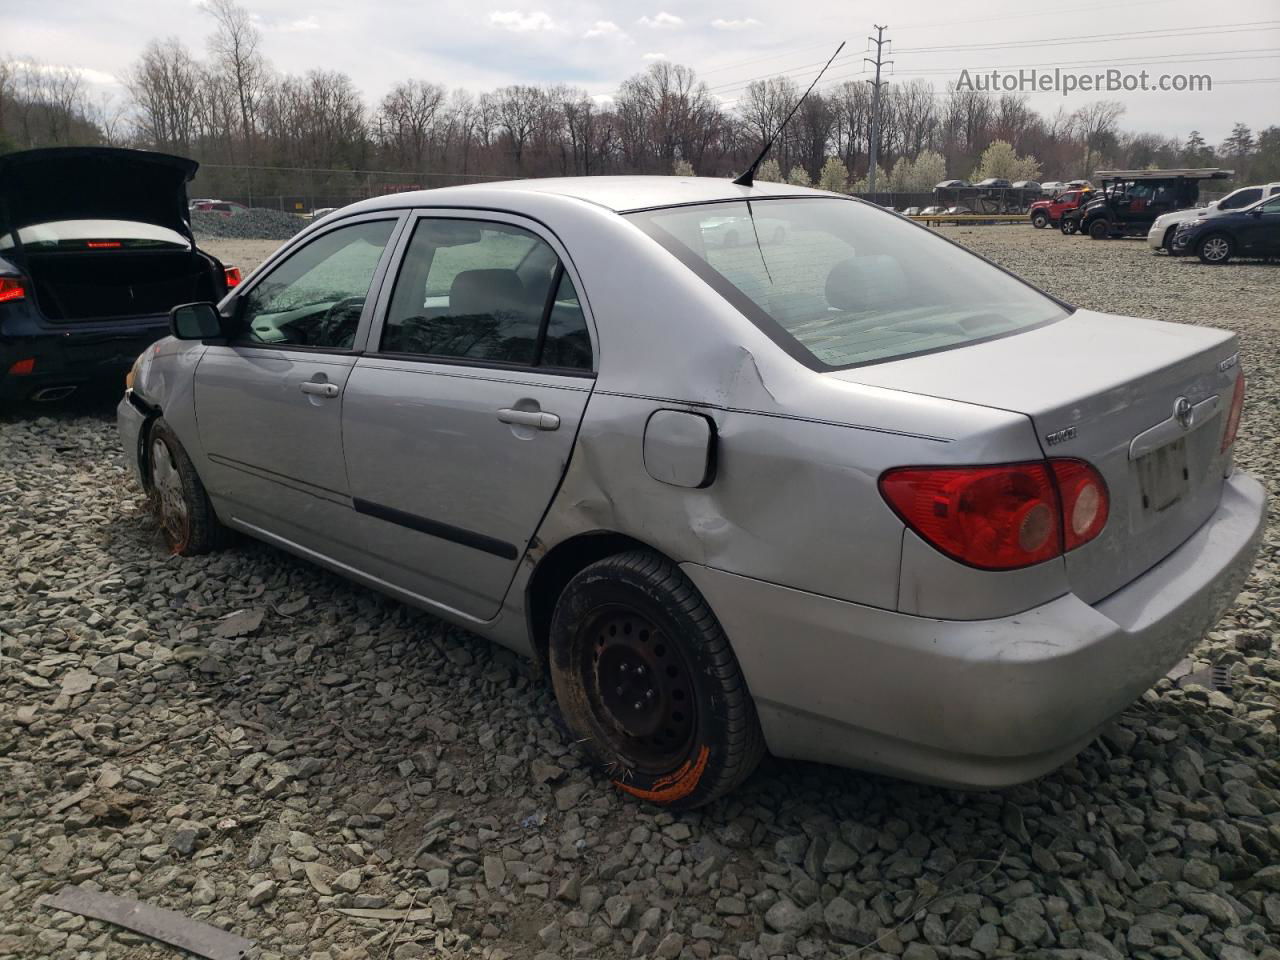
95, 248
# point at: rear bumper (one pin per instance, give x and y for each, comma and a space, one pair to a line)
984, 703
74, 354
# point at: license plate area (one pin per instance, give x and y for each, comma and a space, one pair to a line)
1163, 476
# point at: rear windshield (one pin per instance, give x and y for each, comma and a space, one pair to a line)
839, 283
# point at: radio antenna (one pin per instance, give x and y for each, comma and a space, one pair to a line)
749, 175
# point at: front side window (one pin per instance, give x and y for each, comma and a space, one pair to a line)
485, 292
1241, 198
314, 297
839, 283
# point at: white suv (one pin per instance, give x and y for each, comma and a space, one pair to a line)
1160, 237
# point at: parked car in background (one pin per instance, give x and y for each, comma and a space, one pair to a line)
95, 248
228, 208
1216, 239
1052, 188
1160, 237
952, 185
859, 495
910, 211
1046, 213
1130, 200
993, 183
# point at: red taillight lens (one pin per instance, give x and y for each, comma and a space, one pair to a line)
1002, 517
23, 368
233, 277
1233, 415
1085, 501
996, 518
12, 288
104, 244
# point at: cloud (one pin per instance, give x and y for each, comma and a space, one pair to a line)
301, 25
662, 19
517, 21
655, 56
721, 24
604, 28
84, 73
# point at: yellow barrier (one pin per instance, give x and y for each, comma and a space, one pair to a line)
959, 218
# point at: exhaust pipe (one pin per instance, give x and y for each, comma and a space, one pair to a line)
51, 394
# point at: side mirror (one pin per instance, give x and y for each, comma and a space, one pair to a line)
196, 321
1255, 212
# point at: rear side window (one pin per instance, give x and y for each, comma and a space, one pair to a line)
485, 292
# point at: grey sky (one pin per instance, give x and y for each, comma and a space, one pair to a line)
486, 43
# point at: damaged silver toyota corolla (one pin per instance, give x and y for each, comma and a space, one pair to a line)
741, 466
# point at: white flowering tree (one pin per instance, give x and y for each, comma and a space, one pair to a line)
833, 176
682, 168
799, 177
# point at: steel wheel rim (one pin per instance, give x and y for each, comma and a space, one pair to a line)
171, 501
640, 688
1215, 248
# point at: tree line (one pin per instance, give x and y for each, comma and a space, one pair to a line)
258, 132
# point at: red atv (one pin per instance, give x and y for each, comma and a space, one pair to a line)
1046, 212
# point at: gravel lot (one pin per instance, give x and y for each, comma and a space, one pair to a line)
252, 741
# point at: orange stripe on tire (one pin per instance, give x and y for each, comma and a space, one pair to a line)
674, 786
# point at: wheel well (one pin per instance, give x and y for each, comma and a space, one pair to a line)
553, 573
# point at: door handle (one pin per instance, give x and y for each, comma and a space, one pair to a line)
319, 389
529, 418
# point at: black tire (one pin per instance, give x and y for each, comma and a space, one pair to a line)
1216, 249
1069, 227
178, 498
1099, 230
1167, 243
633, 626
1039, 220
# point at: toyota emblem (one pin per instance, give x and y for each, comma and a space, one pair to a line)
1184, 412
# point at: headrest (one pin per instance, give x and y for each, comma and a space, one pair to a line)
866, 283
486, 291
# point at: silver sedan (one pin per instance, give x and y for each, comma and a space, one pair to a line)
841, 490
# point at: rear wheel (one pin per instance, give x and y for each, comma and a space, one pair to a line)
646, 679
1216, 248
1069, 226
1099, 230
178, 498
1039, 220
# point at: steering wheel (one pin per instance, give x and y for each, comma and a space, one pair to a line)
338, 325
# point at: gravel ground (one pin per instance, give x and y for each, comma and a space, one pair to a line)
252, 741
253, 223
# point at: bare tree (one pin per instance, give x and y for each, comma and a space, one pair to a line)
235, 48
1096, 126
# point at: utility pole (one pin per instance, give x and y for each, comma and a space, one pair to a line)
876, 84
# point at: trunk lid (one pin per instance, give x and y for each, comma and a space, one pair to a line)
1104, 389
94, 183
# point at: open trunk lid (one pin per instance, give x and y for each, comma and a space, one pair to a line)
1108, 390
94, 183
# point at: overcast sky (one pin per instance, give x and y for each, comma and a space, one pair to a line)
481, 44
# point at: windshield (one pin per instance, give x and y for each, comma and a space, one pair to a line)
839, 283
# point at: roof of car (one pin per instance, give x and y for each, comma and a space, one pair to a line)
622, 194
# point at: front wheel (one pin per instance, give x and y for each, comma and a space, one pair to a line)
1215, 249
647, 681
1039, 221
1167, 242
178, 498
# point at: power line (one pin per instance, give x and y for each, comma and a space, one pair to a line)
1166, 33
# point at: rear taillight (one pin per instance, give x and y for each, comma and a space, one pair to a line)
104, 244
23, 368
12, 288
1000, 517
1233, 415
1085, 501
233, 276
